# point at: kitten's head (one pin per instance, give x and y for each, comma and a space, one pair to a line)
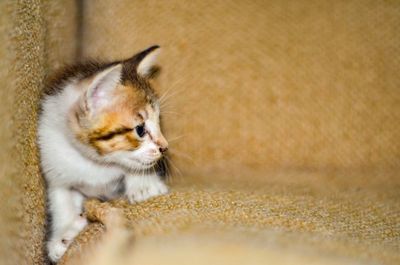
117, 117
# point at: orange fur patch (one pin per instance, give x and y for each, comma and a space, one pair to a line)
109, 130
120, 142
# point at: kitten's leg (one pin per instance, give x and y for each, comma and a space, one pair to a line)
65, 206
140, 188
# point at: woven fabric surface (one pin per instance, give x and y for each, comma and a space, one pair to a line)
293, 106
266, 84
325, 215
282, 115
36, 37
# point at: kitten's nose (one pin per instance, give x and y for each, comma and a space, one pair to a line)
163, 149
162, 144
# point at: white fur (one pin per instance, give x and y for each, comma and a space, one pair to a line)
98, 94
147, 63
74, 171
140, 189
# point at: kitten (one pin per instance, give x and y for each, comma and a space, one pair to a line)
99, 136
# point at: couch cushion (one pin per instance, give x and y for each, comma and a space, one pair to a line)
326, 215
35, 38
266, 84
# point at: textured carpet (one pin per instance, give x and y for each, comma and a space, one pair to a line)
324, 216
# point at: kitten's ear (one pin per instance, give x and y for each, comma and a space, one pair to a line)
143, 62
99, 93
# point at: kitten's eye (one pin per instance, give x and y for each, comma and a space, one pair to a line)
140, 131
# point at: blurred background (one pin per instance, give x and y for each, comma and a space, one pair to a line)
265, 84
288, 110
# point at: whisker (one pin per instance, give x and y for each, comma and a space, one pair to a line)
176, 138
175, 167
165, 106
165, 93
165, 168
166, 113
167, 96
181, 154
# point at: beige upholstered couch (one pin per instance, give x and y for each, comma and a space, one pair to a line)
283, 116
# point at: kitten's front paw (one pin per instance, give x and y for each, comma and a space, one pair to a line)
78, 225
57, 248
143, 188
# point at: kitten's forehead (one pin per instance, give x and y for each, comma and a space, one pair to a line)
136, 96
150, 111
137, 82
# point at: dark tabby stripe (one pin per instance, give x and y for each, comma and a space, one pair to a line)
56, 82
111, 134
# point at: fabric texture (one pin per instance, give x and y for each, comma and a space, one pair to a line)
340, 217
266, 84
282, 118
36, 37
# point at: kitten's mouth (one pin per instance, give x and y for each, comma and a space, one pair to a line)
148, 164
144, 164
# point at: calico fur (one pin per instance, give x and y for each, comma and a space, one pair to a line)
99, 136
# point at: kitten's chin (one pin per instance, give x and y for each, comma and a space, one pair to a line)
131, 163
135, 164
